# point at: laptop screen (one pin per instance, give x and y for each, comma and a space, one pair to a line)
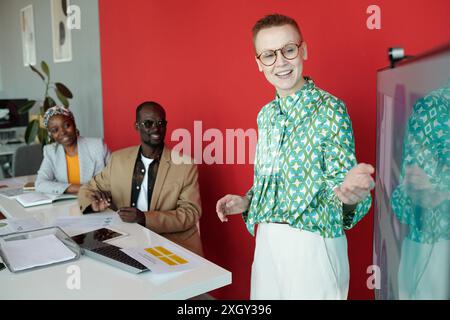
94, 239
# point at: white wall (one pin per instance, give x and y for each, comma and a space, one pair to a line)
82, 74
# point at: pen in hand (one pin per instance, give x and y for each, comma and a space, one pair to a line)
131, 215
101, 200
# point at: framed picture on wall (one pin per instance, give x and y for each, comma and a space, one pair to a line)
28, 36
62, 41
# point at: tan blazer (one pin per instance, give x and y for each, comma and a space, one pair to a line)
175, 206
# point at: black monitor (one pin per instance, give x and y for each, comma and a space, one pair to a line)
9, 115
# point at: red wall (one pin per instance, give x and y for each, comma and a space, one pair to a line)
196, 59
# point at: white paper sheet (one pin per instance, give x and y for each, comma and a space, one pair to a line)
19, 225
163, 258
12, 192
85, 223
40, 251
31, 199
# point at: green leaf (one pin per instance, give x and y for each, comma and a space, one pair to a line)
38, 72
48, 103
43, 136
26, 106
32, 130
64, 90
61, 98
45, 68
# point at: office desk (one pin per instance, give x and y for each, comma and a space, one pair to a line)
100, 280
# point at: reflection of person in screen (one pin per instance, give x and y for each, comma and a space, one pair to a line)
422, 200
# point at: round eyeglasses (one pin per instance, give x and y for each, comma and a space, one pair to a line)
289, 51
147, 124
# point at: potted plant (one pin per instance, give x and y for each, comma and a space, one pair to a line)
35, 127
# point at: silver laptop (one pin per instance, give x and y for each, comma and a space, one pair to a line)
93, 246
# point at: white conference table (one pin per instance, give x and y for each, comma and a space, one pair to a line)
100, 280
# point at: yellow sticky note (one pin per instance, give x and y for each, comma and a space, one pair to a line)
163, 250
153, 252
178, 259
168, 261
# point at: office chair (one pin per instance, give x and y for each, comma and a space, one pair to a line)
27, 160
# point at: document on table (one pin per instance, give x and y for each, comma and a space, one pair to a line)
12, 192
18, 225
34, 252
85, 223
31, 199
163, 258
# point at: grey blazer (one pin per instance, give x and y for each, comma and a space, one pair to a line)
52, 175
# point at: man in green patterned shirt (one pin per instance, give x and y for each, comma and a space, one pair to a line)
307, 185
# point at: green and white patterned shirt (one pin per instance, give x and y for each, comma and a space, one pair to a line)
427, 145
305, 149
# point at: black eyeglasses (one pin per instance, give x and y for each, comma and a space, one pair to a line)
289, 51
147, 124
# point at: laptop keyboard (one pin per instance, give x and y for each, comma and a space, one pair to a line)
114, 253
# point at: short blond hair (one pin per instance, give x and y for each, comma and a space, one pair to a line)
274, 20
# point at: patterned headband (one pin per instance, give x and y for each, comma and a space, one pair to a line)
57, 110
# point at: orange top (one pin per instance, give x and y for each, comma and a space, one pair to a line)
73, 169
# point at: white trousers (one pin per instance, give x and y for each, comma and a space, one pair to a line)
295, 264
424, 271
